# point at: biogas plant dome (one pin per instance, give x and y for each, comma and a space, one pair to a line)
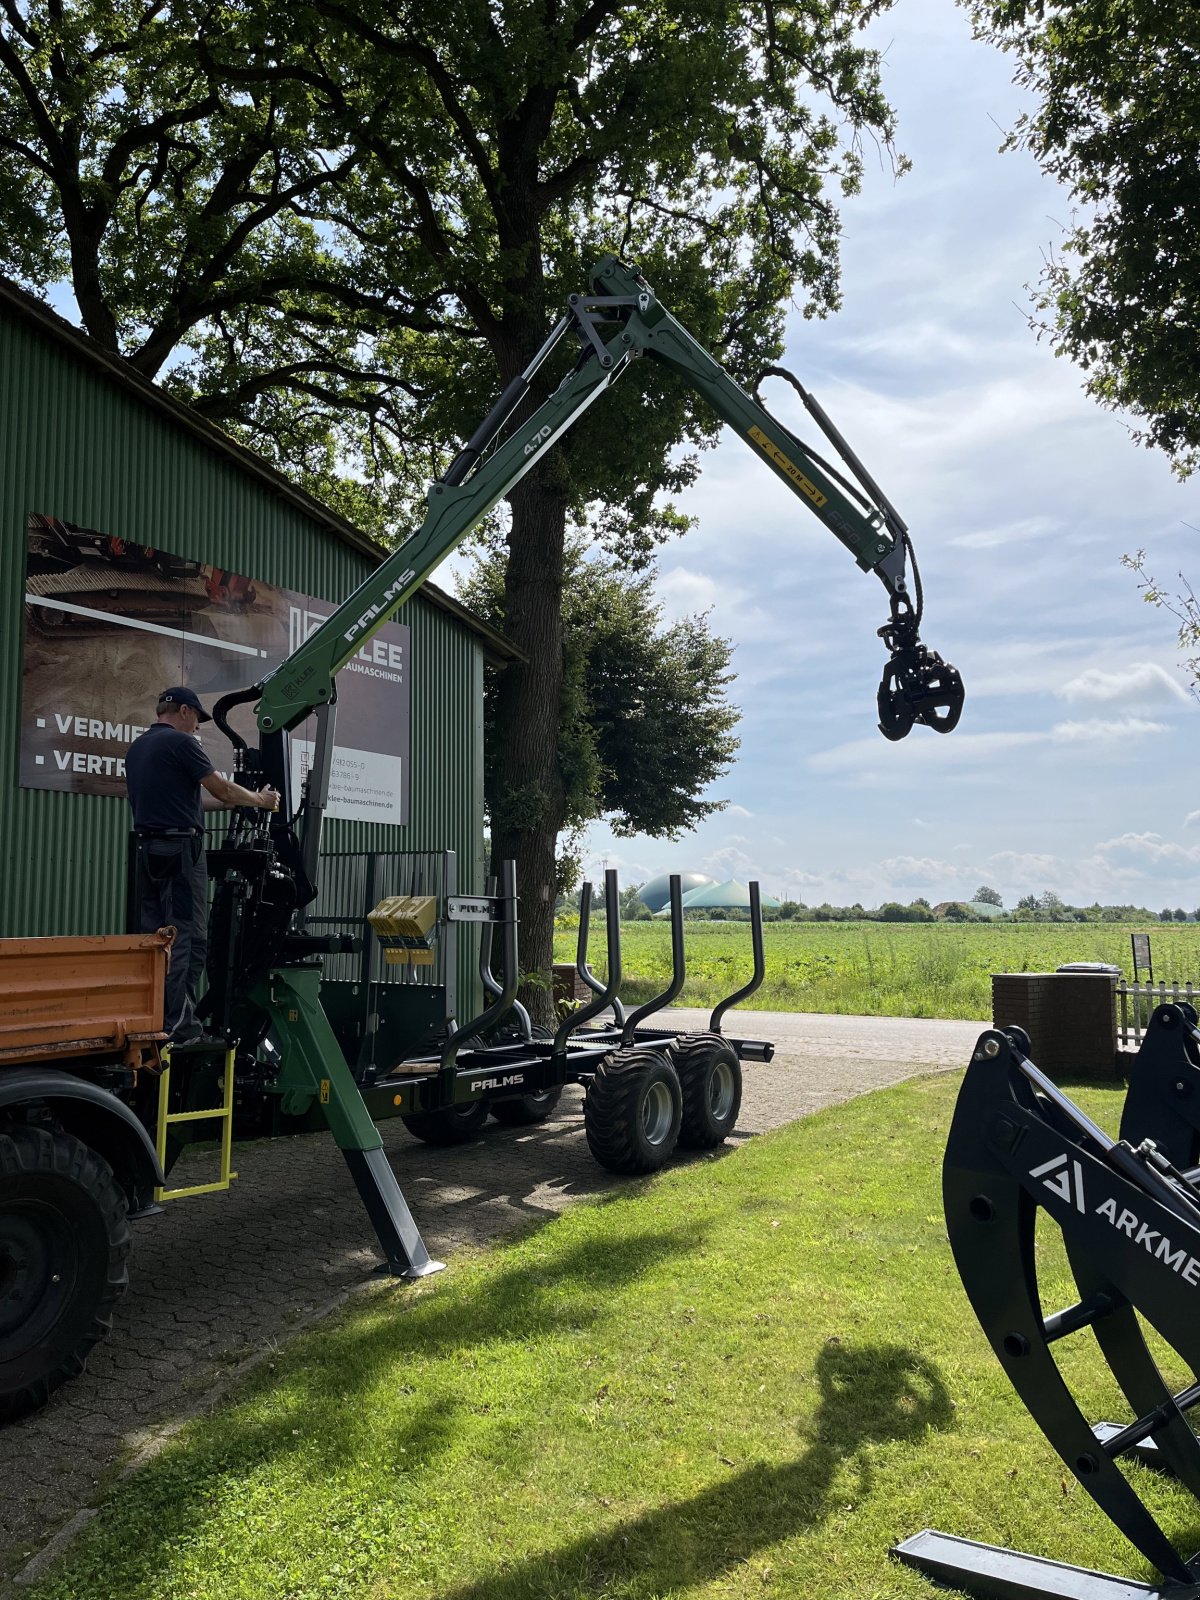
657, 892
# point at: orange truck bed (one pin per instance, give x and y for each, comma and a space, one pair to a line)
99, 995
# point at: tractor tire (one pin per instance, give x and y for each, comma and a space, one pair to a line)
632, 1111
452, 1125
526, 1110
710, 1076
64, 1243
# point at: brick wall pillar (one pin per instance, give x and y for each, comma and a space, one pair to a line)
1070, 1017
568, 985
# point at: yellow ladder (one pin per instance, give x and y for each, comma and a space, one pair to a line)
222, 1113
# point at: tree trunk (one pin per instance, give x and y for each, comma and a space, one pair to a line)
527, 806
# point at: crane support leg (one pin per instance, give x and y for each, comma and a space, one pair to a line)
315, 1071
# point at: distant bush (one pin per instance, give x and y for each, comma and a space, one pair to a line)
893, 911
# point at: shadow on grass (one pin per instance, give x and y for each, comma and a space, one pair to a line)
319, 1415
1070, 1082
873, 1395
524, 1303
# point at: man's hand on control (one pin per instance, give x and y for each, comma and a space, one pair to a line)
226, 795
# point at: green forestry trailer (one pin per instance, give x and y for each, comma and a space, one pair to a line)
87, 1135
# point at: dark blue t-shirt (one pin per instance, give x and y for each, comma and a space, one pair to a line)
163, 769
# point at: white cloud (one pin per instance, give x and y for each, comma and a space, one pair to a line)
956, 748
628, 869
737, 811
683, 592
1006, 533
1191, 819
1097, 731
864, 759
1140, 683
1017, 865
1152, 848
730, 862
804, 879
919, 870
1038, 661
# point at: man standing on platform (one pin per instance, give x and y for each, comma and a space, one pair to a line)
171, 784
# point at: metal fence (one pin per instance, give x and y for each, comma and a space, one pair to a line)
351, 883
1136, 1001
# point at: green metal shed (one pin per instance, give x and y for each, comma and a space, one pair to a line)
89, 445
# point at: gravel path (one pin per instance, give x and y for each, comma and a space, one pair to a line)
215, 1280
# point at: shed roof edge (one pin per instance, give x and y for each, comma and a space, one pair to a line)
498, 649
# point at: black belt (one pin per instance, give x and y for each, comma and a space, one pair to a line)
170, 833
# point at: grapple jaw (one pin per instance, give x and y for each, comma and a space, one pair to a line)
1021, 1155
917, 685
1163, 1099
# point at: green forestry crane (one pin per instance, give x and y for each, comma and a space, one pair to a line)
265, 977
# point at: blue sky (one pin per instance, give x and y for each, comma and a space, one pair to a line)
1072, 768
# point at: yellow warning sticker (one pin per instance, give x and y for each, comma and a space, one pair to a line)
324, 1091
789, 468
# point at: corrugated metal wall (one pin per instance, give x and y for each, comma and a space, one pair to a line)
78, 445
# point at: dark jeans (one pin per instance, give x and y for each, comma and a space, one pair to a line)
173, 892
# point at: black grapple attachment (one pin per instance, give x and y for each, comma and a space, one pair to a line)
917, 685
1021, 1155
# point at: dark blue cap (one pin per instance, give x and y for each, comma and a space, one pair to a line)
184, 697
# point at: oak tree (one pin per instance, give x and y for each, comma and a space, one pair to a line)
1117, 121
646, 726
338, 230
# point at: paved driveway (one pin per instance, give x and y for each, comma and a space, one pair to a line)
215, 1280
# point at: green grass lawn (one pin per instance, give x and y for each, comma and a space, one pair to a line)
747, 1377
876, 968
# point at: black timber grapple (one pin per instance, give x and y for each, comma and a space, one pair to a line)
1021, 1154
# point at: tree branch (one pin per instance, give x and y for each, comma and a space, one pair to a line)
292, 375
423, 56
34, 157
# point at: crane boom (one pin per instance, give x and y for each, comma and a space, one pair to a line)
620, 321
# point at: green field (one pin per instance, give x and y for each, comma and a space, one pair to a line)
877, 969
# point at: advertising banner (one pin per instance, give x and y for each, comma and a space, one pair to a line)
109, 625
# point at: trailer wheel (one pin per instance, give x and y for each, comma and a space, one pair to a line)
527, 1110
64, 1241
710, 1076
451, 1125
632, 1111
